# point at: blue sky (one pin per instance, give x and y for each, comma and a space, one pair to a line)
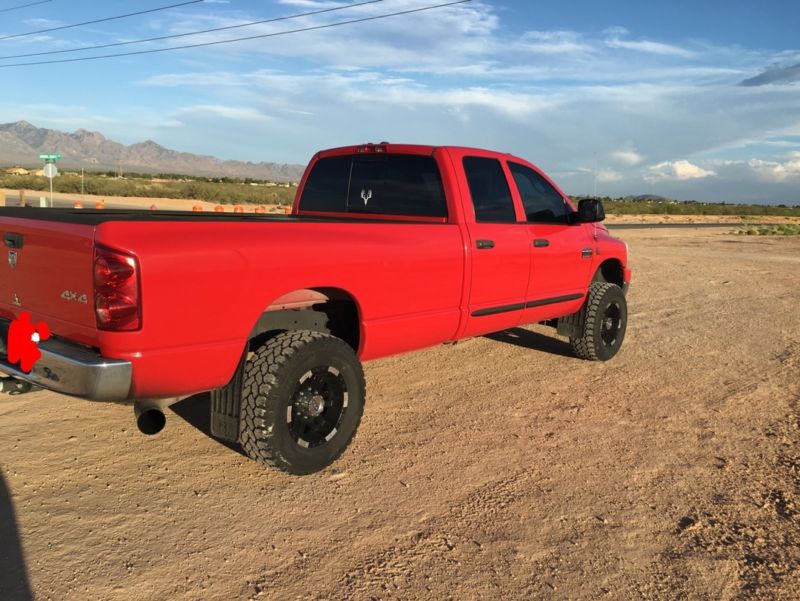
693, 100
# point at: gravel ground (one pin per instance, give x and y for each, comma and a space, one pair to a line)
500, 467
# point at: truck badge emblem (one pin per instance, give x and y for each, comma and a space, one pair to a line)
15, 301
73, 296
12, 259
365, 196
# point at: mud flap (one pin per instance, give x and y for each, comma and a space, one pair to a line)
225, 404
571, 325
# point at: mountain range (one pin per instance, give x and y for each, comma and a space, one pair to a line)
21, 143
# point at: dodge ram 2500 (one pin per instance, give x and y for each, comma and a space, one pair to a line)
388, 248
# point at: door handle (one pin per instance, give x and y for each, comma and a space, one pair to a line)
586, 253
13, 240
541, 243
485, 244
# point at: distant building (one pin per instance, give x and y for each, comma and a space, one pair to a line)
18, 171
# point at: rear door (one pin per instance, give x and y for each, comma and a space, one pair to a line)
561, 252
46, 269
499, 248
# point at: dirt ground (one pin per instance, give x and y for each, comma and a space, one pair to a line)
498, 468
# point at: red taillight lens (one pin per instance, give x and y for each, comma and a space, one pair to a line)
116, 290
110, 271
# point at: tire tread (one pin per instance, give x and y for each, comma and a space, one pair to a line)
261, 376
585, 345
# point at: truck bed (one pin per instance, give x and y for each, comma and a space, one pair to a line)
98, 216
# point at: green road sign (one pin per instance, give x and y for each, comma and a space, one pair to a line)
49, 157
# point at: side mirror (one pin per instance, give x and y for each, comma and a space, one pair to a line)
590, 210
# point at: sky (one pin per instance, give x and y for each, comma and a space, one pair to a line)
689, 100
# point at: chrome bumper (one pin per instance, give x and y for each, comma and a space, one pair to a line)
75, 370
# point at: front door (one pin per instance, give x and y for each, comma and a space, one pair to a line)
561, 251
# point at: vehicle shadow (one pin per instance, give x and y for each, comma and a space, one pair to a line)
533, 341
196, 411
14, 584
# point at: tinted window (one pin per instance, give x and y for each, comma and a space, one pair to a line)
386, 184
543, 204
396, 184
326, 187
489, 190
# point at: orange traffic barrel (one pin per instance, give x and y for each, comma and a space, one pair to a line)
153, 207
287, 210
77, 205
259, 210
197, 208
238, 209
100, 205
219, 209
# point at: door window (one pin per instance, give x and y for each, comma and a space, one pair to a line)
543, 204
489, 190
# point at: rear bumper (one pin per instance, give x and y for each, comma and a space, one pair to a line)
74, 370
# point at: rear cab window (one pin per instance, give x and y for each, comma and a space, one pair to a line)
403, 185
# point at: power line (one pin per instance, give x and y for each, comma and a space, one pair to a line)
183, 35
103, 20
244, 39
5, 10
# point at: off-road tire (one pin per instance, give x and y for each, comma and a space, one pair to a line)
272, 384
604, 318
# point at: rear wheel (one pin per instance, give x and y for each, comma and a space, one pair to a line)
302, 400
603, 324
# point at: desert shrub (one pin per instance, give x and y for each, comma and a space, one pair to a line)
220, 191
784, 229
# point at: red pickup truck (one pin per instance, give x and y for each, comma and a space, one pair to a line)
388, 248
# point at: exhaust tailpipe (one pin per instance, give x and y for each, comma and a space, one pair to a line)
150, 418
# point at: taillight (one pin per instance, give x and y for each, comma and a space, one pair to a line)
116, 290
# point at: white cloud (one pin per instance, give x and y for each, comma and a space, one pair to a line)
364, 89
245, 114
627, 157
445, 36
676, 170
43, 23
614, 40
553, 42
608, 175
774, 171
650, 47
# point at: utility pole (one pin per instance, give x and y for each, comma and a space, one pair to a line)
82, 194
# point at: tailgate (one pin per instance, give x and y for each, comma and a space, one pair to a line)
46, 269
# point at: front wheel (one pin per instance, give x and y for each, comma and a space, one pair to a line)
302, 400
604, 320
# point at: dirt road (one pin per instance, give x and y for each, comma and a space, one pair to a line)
498, 468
